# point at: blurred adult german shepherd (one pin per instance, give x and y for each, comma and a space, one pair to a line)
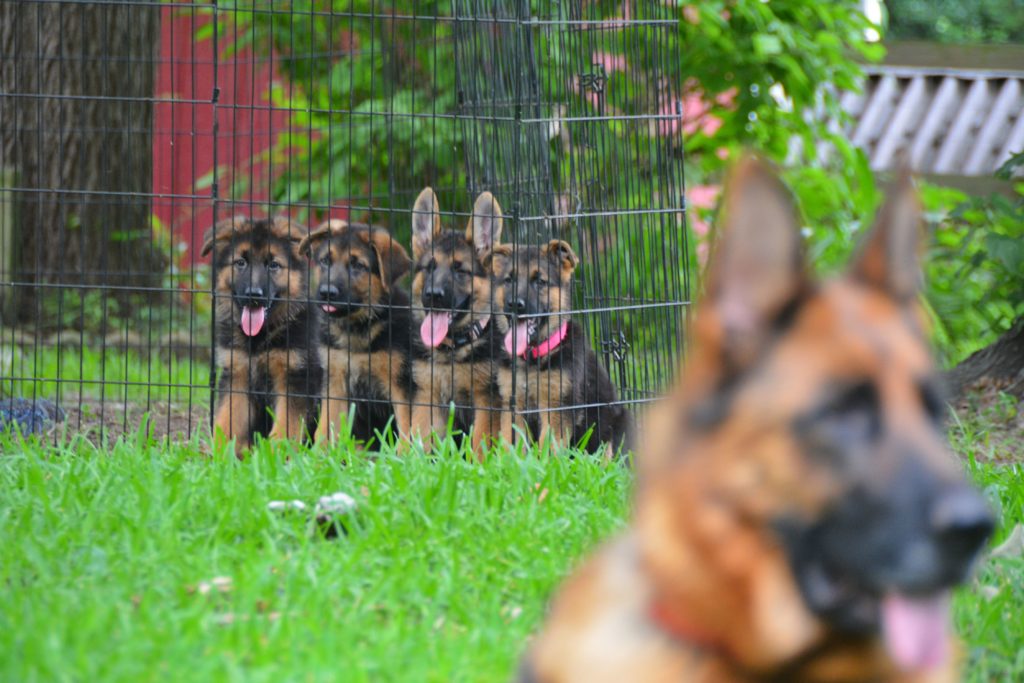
265, 332
460, 335
799, 516
365, 341
550, 363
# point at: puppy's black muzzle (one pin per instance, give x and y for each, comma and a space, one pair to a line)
252, 296
335, 300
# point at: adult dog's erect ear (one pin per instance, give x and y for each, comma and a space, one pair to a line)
757, 267
889, 257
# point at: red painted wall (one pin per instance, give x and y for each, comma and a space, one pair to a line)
184, 137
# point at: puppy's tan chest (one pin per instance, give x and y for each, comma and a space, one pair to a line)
256, 366
346, 368
535, 389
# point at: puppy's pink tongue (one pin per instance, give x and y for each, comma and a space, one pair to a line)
435, 328
517, 338
916, 630
252, 320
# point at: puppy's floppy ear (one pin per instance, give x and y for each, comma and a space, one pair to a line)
308, 243
484, 229
889, 257
223, 230
393, 259
285, 228
426, 221
497, 259
561, 250
757, 267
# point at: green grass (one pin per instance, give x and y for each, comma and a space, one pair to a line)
97, 372
445, 574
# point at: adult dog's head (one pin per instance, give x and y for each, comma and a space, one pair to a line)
798, 491
260, 279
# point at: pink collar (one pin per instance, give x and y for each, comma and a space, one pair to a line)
549, 344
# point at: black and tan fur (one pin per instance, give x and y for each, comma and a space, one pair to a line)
451, 279
364, 340
794, 489
537, 281
269, 380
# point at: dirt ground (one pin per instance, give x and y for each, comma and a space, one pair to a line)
1000, 416
111, 419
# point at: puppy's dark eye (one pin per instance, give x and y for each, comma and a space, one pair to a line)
463, 275
357, 266
240, 263
274, 264
325, 261
507, 280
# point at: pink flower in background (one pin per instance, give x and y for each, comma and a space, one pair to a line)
700, 199
610, 62
703, 196
696, 113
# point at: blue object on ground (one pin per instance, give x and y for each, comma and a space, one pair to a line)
32, 416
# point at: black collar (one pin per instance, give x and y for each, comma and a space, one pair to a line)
471, 334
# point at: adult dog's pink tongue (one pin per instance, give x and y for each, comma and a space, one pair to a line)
517, 338
435, 328
252, 320
916, 630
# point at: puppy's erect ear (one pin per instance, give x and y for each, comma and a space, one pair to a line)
223, 230
393, 259
561, 250
426, 221
757, 267
322, 232
889, 257
484, 229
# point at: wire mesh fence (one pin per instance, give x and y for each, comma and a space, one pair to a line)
263, 216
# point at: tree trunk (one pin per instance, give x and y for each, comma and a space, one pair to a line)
76, 119
1001, 362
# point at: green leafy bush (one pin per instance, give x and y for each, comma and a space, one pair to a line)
957, 21
975, 268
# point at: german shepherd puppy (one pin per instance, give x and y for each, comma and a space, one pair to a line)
460, 336
265, 331
799, 516
364, 342
549, 364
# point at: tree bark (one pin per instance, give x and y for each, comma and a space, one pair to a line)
76, 119
1002, 362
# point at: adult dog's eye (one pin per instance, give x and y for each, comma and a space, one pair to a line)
853, 415
274, 264
240, 263
934, 402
